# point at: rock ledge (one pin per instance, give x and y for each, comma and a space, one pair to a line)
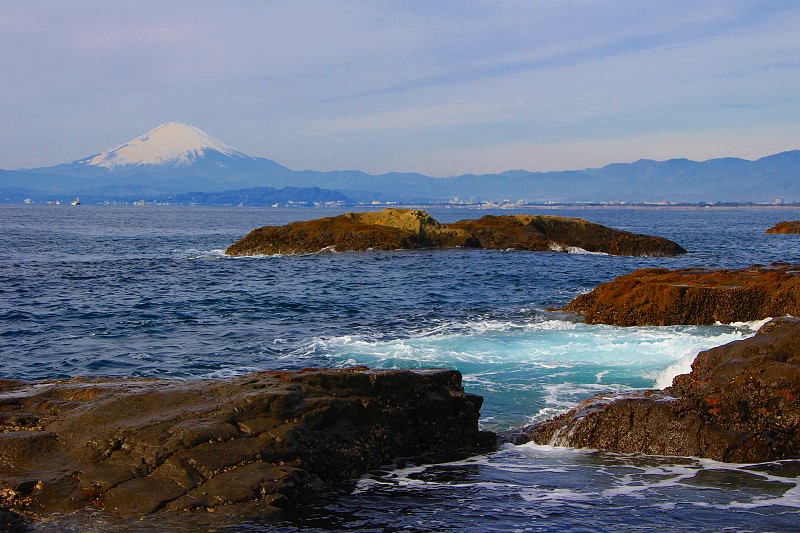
248, 444
699, 296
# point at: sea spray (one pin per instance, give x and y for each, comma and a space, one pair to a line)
531, 370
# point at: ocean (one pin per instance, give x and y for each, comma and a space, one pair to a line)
147, 291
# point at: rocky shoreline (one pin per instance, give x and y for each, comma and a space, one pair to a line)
263, 442
396, 229
740, 403
250, 444
699, 296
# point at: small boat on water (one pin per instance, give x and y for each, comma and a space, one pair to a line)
76, 201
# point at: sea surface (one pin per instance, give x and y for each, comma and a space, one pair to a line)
147, 291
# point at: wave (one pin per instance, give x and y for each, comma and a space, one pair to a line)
552, 343
522, 473
534, 369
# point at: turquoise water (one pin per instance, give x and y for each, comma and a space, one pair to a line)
146, 291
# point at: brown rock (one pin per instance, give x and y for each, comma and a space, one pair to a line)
792, 226
661, 297
393, 229
740, 403
390, 229
258, 442
551, 233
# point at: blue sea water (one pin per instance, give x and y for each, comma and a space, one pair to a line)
147, 291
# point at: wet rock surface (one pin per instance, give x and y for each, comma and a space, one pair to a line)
660, 297
792, 226
248, 444
740, 403
394, 229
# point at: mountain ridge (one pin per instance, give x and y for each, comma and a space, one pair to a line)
177, 158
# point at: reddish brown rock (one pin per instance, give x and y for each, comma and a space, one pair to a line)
393, 229
740, 403
249, 444
792, 226
660, 297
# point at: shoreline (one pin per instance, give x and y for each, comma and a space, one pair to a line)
526, 207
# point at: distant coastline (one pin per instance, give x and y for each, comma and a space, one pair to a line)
416, 205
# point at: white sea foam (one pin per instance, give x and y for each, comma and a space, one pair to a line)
231, 372
684, 364
547, 344
660, 482
534, 369
555, 247
204, 254
753, 325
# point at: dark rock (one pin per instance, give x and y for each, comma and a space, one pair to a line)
11, 522
543, 233
393, 229
255, 443
740, 403
657, 296
792, 226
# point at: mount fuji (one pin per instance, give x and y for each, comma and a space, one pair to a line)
177, 159
172, 143
172, 157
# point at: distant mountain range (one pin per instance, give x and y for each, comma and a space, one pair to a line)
179, 161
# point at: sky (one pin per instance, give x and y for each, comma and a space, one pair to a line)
438, 87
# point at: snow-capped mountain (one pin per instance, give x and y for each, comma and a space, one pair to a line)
175, 158
171, 143
172, 157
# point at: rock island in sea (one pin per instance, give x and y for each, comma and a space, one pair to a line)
394, 229
791, 226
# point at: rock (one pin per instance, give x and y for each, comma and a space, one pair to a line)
544, 233
660, 297
740, 403
393, 229
792, 226
390, 229
253, 443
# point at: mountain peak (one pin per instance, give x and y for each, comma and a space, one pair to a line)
171, 143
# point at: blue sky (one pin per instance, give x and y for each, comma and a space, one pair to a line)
442, 88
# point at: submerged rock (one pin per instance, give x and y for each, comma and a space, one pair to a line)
792, 226
740, 403
393, 229
248, 444
660, 297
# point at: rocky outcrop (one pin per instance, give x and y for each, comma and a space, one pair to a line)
740, 403
254, 443
542, 233
393, 229
792, 226
657, 296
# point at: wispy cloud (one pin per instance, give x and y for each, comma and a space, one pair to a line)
402, 86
